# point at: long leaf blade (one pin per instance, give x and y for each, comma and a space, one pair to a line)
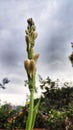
35, 113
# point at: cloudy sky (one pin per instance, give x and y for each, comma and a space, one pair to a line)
54, 22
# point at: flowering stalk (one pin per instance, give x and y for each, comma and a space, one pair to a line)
30, 67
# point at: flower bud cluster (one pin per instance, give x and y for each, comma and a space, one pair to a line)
31, 34
30, 66
30, 62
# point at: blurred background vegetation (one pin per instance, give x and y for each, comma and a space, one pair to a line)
55, 110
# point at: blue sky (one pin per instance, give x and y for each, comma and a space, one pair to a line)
54, 22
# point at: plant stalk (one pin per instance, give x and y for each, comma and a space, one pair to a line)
31, 109
30, 66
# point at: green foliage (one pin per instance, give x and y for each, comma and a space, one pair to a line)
4, 114
12, 118
35, 112
57, 103
57, 95
56, 120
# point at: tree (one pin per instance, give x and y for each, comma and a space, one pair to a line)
58, 94
4, 82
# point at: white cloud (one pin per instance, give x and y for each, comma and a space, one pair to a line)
54, 22
15, 99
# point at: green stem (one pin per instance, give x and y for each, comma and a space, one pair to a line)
32, 88
30, 53
31, 77
30, 116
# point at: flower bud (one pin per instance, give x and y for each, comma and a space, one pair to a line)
30, 21
35, 57
27, 39
33, 27
26, 31
26, 65
35, 34
32, 66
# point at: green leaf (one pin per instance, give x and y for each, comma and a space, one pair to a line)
35, 113
27, 123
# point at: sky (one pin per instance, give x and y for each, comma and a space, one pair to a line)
54, 24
